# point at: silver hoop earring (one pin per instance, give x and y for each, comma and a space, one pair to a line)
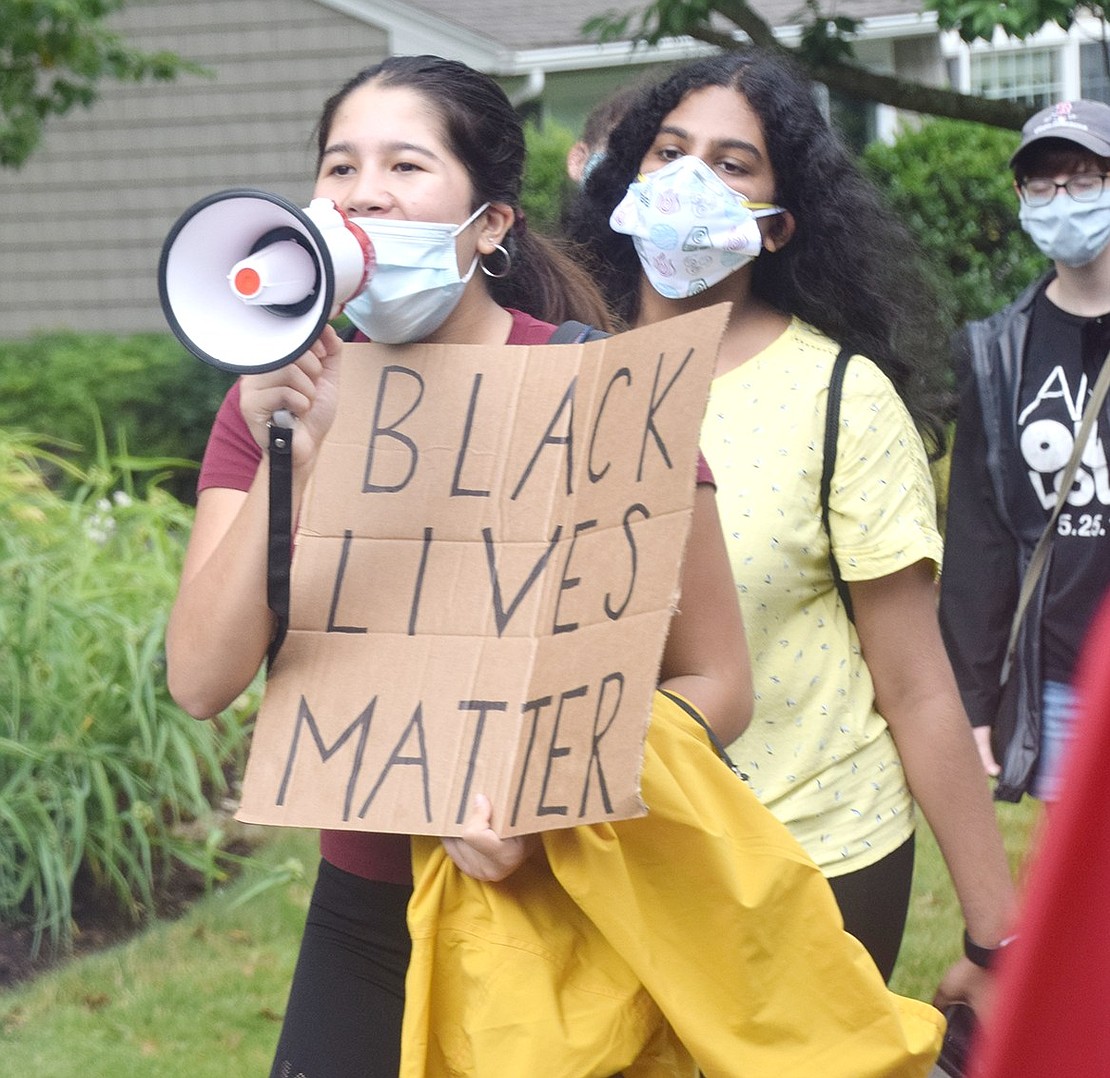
508, 263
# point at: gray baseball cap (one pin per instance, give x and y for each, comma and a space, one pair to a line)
1086, 123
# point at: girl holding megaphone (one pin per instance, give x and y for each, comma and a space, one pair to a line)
699, 917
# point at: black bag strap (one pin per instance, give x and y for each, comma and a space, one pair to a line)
714, 740
279, 553
571, 332
828, 466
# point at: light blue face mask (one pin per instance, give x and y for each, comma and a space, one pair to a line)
415, 283
1069, 232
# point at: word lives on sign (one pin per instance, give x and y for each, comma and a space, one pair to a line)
487, 559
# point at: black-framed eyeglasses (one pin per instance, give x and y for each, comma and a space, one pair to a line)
1083, 187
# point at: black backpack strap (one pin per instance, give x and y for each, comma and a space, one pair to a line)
828, 465
571, 332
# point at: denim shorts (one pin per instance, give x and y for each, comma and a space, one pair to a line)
1058, 709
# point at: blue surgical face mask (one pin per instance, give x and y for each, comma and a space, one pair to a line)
415, 282
1072, 233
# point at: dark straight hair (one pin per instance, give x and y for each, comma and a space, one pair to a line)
484, 132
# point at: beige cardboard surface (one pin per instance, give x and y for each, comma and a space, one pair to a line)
486, 562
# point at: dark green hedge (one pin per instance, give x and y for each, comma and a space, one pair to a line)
153, 398
950, 181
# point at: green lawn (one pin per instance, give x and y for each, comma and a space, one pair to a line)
202, 997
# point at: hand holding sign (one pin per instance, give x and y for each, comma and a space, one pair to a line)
481, 852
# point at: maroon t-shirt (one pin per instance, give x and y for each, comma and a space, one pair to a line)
231, 460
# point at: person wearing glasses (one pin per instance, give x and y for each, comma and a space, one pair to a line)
1025, 375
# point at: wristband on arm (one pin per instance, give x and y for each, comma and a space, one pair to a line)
984, 957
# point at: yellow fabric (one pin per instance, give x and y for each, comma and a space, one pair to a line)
818, 752
700, 935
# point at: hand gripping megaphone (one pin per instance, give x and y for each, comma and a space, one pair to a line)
248, 280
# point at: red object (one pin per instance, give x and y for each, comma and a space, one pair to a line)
247, 282
369, 257
1052, 1010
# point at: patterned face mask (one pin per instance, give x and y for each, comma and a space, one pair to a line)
690, 229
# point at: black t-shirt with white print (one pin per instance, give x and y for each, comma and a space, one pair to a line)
1063, 356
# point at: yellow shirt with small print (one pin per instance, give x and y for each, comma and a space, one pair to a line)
817, 752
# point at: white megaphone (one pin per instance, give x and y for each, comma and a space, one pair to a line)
248, 280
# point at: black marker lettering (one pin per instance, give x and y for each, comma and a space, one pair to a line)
554, 752
340, 573
391, 431
456, 490
549, 438
305, 716
615, 612
595, 757
396, 759
502, 615
535, 706
418, 586
569, 582
482, 707
596, 476
653, 407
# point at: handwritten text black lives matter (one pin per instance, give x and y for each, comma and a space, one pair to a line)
487, 558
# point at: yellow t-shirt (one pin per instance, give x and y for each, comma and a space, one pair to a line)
817, 753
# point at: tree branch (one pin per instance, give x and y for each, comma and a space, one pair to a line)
855, 81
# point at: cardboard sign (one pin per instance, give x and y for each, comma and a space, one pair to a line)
487, 559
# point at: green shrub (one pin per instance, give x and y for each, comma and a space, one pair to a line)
154, 397
546, 183
951, 184
97, 766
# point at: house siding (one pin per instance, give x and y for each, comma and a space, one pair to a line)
82, 223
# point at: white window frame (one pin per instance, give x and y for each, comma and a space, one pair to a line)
1033, 76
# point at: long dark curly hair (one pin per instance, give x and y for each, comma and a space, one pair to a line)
851, 269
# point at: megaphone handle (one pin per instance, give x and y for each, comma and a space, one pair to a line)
280, 548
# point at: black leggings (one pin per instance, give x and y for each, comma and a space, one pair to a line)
874, 902
343, 1019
